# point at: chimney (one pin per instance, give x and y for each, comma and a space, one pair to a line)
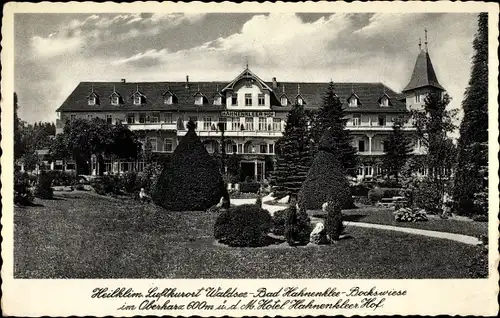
275, 84
187, 82
123, 80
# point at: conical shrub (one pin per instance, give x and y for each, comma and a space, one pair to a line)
191, 180
326, 181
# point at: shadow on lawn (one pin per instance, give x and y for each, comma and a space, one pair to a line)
347, 218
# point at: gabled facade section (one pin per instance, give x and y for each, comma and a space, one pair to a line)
93, 98
384, 100
284, 101
218, 97
299, 99
199, 98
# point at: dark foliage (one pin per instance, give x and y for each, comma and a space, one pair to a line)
478, 263
130, 182
427, 196
278, 222
375, 195
22, 193
109, 184
473, 141
333, 223
249, 187
326, 181
63, 178
244, 225
43, 188
293, 152
191, 181
331, 117
398, 148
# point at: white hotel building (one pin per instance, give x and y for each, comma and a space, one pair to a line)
254, 112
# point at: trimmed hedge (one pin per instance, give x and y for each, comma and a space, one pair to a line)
191, 181
244, 225
326, 181
427, 196
249, 187
109, 184
333, 224
22, 193
375, 195
43, 188
63, 178
278, 222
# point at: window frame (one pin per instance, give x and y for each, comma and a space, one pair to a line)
234, 100
261, 100
165, 144
356, 118
249, 124
248, 99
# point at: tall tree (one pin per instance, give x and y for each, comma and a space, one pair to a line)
398, 149
472, 157
18, 131
293, 151
433, 124
331, 117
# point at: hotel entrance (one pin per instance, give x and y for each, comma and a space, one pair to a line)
252, 170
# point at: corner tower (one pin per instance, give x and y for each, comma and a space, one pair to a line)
423, 79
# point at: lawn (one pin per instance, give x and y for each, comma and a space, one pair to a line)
84, 235
381, 215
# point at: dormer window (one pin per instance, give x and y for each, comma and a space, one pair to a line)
198, 100
168, 100
284, 101
115, 100
353, 101
137, 100
218, 100
384, 102
93, 100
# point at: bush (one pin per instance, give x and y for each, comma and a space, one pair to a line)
391, 192
360, 190
244, 225
150, 176
375, 195
278, 222
480, 218
427, 196
130, 182
43, 188
63, 178
249, 187
410, 215
297, 226
22, 193
333, 224
362, 200
109, 184
191, 181
478, 263
326, 181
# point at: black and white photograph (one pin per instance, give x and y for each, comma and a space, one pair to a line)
249, 145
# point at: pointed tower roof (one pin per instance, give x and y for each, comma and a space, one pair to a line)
423, 74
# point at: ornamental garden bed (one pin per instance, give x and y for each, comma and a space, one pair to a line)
83, 235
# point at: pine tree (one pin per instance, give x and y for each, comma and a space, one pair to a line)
293, 154
331, 116
397, 150
473, 139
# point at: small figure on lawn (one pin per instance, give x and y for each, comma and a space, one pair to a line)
143, 196
446, 206
318, 234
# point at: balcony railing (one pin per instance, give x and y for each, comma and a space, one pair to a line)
376, 127
152, 126
235, 133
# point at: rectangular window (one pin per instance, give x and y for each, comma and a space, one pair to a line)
263, 148
277, 124
109, 119
284, 101
115, 100
300, 101
271, 148
142, 118
381, 120
234, 148
92, 101
154, 144
361, 145
356, 119
248, 123
240, 148
353, 102
207, 123
168, 145
248, 99
168, 118
384, 102
261, 100
234, 99
262, 123
155, 117
417, 98
168, 100
137, 100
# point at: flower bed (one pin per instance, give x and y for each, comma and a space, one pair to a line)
410, 215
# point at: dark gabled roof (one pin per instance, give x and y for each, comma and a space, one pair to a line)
423, 74
367, 93
312, 93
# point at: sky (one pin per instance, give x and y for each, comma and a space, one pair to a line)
54, 52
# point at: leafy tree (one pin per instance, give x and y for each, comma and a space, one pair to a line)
398, 149
433, 124
233, 167
18, 131
331, 117
293, 154
472, 159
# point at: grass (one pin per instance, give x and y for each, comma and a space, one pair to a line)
84, 235
381, 215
